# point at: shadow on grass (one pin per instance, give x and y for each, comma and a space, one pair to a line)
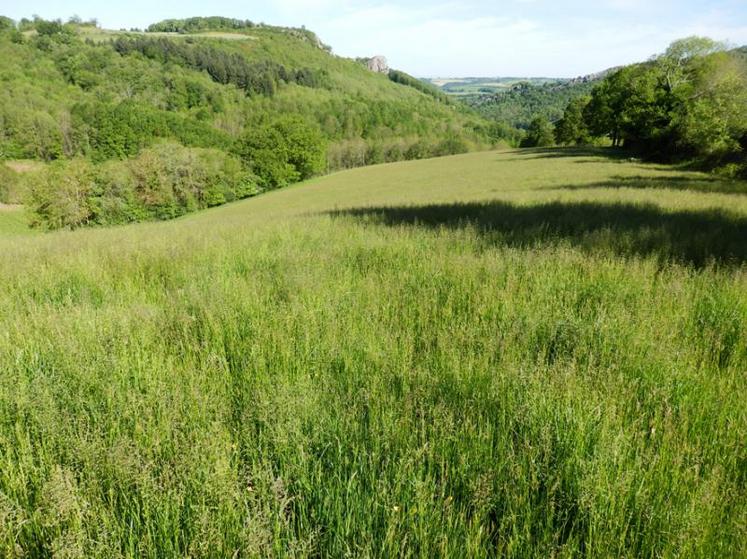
614, 154
699, 184
694, 238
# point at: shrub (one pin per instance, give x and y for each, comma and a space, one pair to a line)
452, 145
421, 149
346, 154
60, 196
395, 151
165, 181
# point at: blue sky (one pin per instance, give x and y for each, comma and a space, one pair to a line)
454, 38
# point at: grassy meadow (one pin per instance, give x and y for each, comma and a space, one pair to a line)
13, 221
538, 353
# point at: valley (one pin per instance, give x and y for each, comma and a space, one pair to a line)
261, 300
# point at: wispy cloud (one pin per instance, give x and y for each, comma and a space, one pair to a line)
523, 37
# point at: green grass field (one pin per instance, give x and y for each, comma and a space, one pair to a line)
515, 354
13, 221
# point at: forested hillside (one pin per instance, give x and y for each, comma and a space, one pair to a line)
274, 102
518, 105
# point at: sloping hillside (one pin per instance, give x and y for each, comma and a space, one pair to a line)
535, 353
48, 71
74, 90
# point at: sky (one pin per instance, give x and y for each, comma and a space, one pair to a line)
435, 38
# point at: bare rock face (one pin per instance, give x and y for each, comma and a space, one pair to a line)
378, 64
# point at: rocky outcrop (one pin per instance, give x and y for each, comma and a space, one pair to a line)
376, 64
304, 34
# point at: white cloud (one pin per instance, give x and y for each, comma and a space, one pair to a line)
459, 40
421, 40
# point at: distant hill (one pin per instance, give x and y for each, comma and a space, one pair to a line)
517, 103
484, 85
207, 81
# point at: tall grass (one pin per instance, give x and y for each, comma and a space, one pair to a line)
297, 375
13, 221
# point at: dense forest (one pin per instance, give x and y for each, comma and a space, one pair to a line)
272, 105
518, 105
687, 104
259, 78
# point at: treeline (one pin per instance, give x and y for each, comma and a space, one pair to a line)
403, 78
353, 153
254, 78
168, 179
200, 24
162, 182
217, 23
688, 104
9, 186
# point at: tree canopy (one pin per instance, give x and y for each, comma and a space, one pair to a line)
277, 103
689, 102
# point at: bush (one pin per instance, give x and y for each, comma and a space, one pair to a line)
347, 154
452, 146
395, 151
421, 149
375, 154
163, 182
61, 196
